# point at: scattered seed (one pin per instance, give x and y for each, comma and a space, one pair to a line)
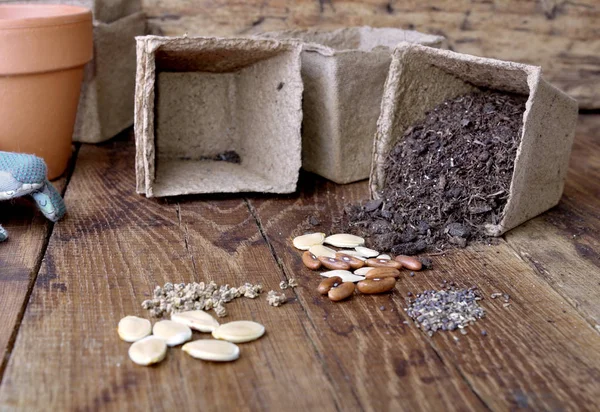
483, 332
506, 305
148, 351
212, 350
382, 308
283, 285
197, 320
292, 283
132, 328
366, 252
344, 240
344, 274
276, 298
411, 274
320, 250
304, 242
173, 333
239, 331
495, 295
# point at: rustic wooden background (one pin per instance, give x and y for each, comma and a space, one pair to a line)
561, 36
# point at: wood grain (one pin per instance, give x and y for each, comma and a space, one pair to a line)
563, 245
20, 258
105, 258
538, 351
563, 37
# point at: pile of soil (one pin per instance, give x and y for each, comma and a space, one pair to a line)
447, 178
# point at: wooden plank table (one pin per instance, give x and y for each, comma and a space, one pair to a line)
64, 287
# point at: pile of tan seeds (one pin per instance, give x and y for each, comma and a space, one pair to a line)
373, 272
149, 343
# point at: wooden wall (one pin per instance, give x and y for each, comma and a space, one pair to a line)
561, 36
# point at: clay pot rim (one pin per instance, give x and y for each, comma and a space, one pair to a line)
41, 15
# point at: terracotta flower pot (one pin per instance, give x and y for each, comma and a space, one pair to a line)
43, 49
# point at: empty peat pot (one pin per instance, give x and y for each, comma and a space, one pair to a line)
43, 49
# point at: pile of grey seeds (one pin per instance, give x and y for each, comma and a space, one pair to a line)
446, 309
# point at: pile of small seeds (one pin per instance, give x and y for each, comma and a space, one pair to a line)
149, 343
446, 309
179, 297
375, 273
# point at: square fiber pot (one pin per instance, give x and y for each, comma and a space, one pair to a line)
420, 78
106, 11
199, 97
106, 105
343, 73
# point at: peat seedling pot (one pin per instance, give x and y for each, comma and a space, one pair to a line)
43, 50
217, 115
344, 72
421, 78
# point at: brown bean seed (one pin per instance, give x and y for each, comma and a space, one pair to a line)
383, 263
373, 286
354, 263
328, 283
341, 292
310, 261
333, 264
409, 262
380, 273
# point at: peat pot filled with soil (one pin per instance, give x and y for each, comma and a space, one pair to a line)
466, 148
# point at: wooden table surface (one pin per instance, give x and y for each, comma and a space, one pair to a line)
64, 287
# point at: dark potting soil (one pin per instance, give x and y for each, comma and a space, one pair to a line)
447, 177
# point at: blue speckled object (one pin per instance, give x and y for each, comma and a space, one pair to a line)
24, 174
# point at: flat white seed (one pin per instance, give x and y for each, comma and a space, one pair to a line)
132, 328
387, 257
172, 333
212, 350
346, 275
344, 240
148, 350
304, 242
320, 250
353, 253
196, 319
366, 252
239, 331
363, 271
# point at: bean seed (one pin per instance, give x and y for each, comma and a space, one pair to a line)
341, 292
409, 262
310, 261
212, 350
320, 250
383, 263
239, 331
148, 350
304, 242
132, 328
366, 252
354, 262
328, 283
380, 273
344, 240
333, 263
374, 286
344, 274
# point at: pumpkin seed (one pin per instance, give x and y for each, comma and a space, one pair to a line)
366, 252
196, 319
239, 331
171, 332
320, 250
132, 328
363, 271
304, 242
212, 350
344, 240
148, 351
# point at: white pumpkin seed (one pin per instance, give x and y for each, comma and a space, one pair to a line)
363, 271
148, 350
196, 319
346, 275
212, 350
366, 252
132, 328
320, 250
386, 257
353, 253
239, 331
172, 333
304, 242
344, 240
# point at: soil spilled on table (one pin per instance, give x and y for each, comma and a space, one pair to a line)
447, 177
